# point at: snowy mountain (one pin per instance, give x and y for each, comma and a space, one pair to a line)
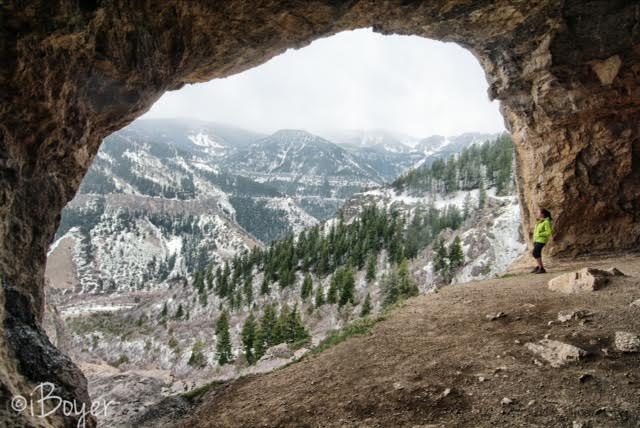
294, 154
379, 139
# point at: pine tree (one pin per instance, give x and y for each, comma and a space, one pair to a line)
466, 210
295, 330
248, 338
265, 336
264, 288
371, 268
307, 287
347, 286
223, 345
332, 294
179, 312
482, 196
406, 285
165, 310
456, 256
390, 287
366, 306
204, 300
248, 290
197, 358
440, 260
319, 301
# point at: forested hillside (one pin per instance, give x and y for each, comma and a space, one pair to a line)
489, 164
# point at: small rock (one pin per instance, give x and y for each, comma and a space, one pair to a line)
585, 378
481, 379
397, 386
577, 314
446, 392
517, 342
627, 342
556, 353
531, 403
587, 279
506, 401
497, 316
635, 303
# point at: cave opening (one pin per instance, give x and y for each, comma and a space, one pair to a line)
565, 74
215, 169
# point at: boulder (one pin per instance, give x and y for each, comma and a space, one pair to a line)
556, 353
278, 351
627, 342
587, 279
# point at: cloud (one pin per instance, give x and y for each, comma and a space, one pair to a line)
353, 80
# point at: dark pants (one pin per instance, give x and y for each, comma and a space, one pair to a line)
537, 250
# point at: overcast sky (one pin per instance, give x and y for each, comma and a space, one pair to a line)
353, 80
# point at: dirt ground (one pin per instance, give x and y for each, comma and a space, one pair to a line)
438, 361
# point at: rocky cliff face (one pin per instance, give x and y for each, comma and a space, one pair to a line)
74, 72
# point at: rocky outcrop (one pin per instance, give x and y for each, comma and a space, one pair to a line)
587, 279
556, 353
627, 342
566, 74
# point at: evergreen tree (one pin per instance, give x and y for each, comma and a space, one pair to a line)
466, 210
440, 260
371, 268
366, 306
264, 287
197, 358
332, 294
165, 310
295, 330
347, 286
249, 338
248, 290
223, 344
307, 287
204, 300
482, 196
456, 256
265, 336
319, 301
407, 286
179, 312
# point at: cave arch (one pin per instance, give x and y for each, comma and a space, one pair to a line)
566, 73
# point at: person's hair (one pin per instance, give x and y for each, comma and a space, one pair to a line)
545, 213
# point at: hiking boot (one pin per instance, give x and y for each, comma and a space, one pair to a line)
535, 270
541, 271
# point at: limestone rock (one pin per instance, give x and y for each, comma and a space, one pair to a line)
587, 279
627, 342
556, 353
574, 314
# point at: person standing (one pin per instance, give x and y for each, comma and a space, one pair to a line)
541, 234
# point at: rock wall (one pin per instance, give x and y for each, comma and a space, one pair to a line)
566, 73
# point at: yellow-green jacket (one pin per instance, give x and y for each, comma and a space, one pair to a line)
542, 231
